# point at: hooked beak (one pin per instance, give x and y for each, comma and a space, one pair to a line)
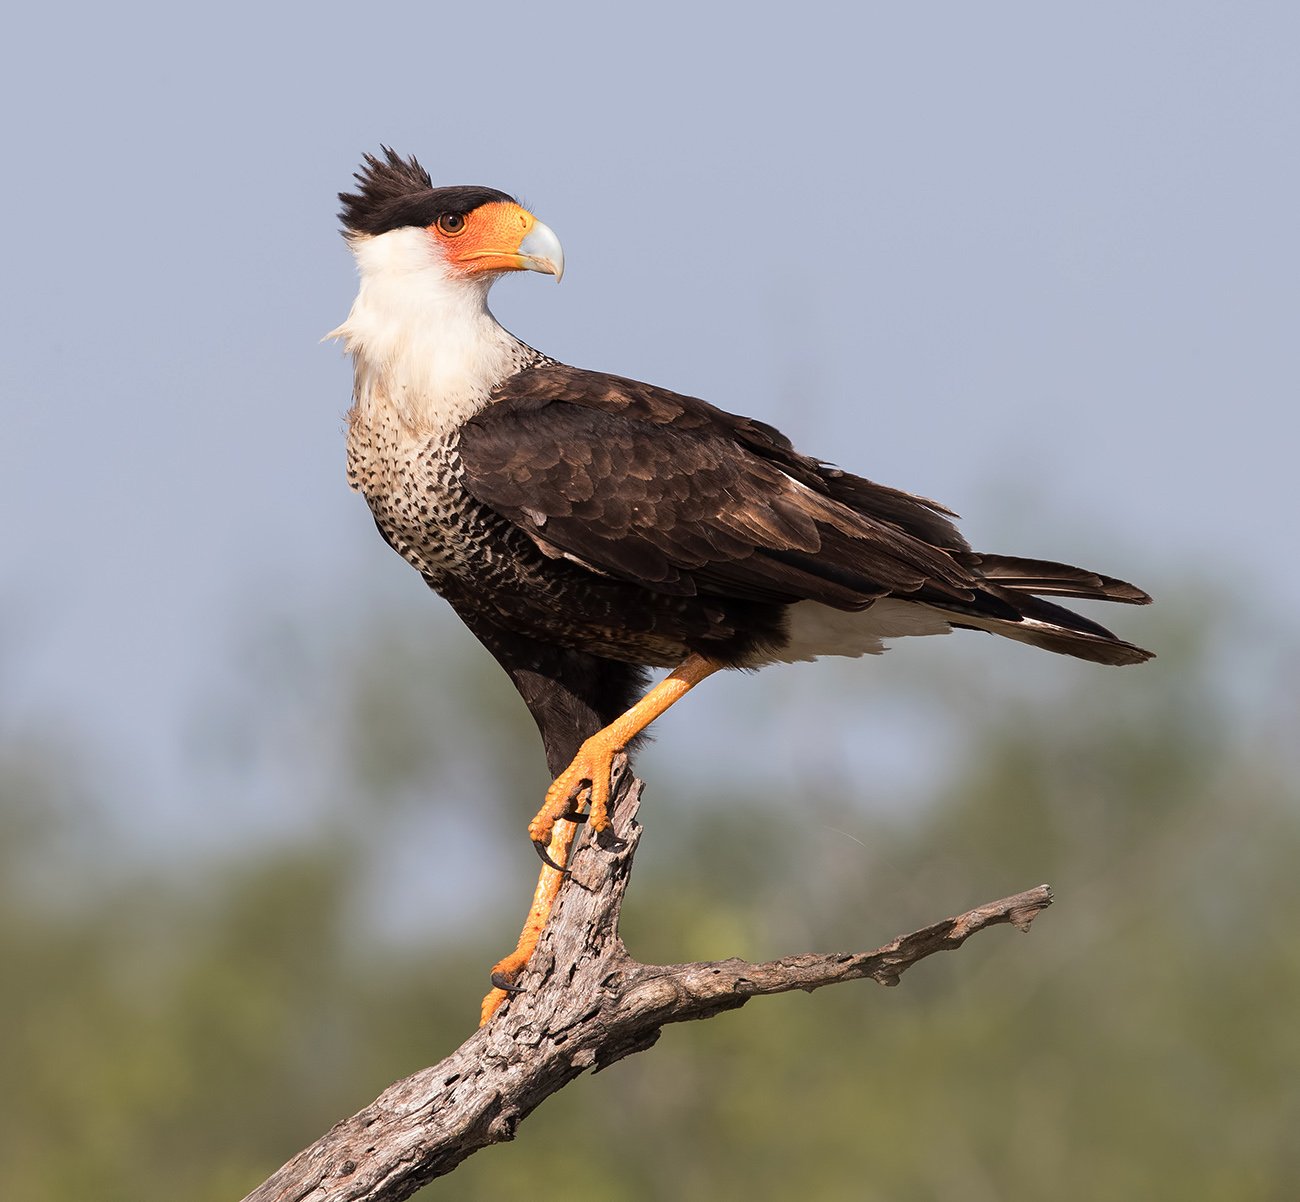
540, 250
502, 236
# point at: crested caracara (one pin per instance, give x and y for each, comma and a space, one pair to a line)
588, 528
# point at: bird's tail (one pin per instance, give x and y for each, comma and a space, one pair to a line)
1023, 583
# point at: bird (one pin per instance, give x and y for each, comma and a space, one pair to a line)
589, 529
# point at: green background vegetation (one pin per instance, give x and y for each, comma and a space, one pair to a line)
176, 1025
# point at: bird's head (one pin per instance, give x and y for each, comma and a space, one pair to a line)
397, 221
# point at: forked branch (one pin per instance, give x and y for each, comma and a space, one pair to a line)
586, 1003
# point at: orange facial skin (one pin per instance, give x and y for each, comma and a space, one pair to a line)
487, 239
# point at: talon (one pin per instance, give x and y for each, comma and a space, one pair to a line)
543, 853
573, 815
612, 841
503, 982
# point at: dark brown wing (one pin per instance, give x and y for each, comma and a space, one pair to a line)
673, 494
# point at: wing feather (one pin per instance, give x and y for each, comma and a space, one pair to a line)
678, 496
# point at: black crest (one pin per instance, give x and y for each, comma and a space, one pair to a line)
394, 192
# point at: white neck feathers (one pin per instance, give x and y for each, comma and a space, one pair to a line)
423, 342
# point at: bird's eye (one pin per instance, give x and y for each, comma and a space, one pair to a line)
452, 223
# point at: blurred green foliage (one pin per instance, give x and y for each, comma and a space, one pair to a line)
178, 1034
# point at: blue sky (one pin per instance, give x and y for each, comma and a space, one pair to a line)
1037, 261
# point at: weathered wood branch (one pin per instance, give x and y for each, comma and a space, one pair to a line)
586, 1004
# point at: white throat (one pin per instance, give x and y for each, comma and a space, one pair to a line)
423, 343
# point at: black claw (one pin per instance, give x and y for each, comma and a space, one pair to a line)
574, 815
546, 857
505, 984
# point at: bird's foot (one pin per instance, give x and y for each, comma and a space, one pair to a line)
589, 772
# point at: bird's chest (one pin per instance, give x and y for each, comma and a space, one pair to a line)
412, 483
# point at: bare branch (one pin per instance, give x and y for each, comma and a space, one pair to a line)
586, 1003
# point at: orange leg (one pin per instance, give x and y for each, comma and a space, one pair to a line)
548, 888
591, 767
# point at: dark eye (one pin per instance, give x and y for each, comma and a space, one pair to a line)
452, 223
